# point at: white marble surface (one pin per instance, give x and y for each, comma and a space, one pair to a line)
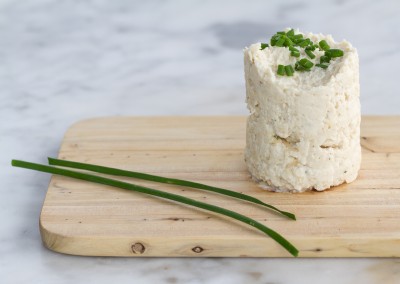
63, 61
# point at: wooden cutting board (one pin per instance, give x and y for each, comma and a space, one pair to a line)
361, 219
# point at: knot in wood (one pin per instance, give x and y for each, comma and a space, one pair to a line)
138, 248
197, 249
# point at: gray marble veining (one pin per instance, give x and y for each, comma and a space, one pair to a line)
63, 61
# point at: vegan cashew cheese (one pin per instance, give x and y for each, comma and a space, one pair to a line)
303, 131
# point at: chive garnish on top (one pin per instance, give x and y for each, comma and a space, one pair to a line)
310, 54
289, 70
307, 64
264, 46
322, 65
334, 53
281, 70
324, 45
291, 40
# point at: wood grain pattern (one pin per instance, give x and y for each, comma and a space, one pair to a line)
361, 219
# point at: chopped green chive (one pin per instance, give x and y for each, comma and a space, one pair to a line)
298, 67
281, 70
170, 196
291, 40
280, 41
303, 43
324, 59
289, 70
295, 53
274, 39
322, 65
334, 53
288, 42
264, 46
307, 64
310, 54
324, 45
298, 36
290, 33
310, 47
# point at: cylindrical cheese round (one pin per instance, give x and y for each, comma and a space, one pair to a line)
303, 131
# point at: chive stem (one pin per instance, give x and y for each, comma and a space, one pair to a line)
160, 179
324, 45
288, 42
324, 59
124, 185
290, 33
264, 46
289, 70
295, 53
322, 65
281, 70
310, 54
310, 47
303, 43
306, 63
280, 41
334, 52
297, 37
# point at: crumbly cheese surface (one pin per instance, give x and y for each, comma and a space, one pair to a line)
303, 131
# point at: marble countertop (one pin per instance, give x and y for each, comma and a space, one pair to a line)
63, 61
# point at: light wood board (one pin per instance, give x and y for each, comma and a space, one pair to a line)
361, 219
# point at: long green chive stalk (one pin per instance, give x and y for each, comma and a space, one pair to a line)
124, 185
160, 179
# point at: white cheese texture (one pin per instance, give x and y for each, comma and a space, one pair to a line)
303, 131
